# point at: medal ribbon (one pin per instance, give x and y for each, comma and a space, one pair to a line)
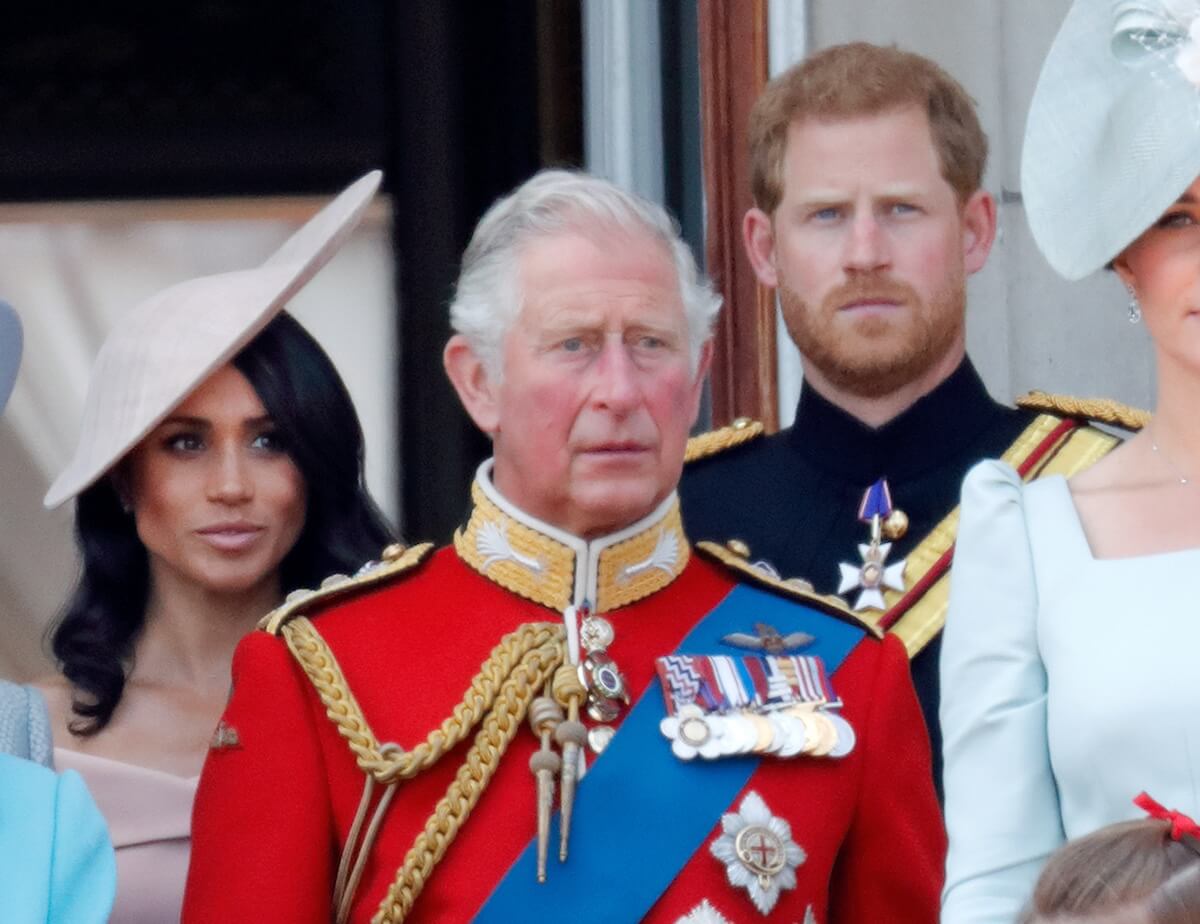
753, 682
876, 502
638, 778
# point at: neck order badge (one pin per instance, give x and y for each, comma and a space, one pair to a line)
875, 574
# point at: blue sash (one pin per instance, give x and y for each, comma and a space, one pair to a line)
641, 813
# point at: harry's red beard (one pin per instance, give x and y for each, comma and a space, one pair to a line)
880, 352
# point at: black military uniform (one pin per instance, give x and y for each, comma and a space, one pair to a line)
793, 497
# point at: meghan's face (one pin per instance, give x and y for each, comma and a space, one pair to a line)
1162, 268
217, 499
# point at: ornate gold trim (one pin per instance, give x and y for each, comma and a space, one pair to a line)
1095, 410
395, 561
525, 561
703, 445
516, 556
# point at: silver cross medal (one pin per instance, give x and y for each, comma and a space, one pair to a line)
874, 574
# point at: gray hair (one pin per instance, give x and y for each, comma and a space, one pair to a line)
487, 298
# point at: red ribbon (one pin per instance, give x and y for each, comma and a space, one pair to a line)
1181, 824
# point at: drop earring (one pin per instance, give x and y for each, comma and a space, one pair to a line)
1135, 310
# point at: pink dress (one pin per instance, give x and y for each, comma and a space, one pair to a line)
149, 814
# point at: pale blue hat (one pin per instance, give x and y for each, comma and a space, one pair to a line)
1113, 136
10, 351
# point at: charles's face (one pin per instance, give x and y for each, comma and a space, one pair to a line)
217, 500
1163, 269
590, 421
869, 249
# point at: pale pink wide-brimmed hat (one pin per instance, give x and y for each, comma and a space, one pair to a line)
10, 351
163, 349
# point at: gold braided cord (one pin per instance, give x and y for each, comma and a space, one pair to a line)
313, 654
499, 727
1100, 410
703, 445
319, 663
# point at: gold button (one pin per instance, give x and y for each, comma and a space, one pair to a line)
393, 551
738, 548
896, 524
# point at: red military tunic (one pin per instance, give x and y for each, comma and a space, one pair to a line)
281, 786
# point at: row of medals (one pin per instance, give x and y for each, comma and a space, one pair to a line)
599, 673
807, 729
798, 729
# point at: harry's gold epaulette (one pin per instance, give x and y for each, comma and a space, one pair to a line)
1094, 410
394, 561
735, 556
703, 445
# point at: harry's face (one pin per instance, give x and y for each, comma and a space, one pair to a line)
590, 421
869, 249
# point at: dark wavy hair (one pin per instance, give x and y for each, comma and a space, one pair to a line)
94, 639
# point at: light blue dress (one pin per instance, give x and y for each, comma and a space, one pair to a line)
1069, 685
56, 861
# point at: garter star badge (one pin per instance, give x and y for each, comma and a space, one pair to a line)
704, 913
758, 852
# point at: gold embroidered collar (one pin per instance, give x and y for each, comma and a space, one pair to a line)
556, 569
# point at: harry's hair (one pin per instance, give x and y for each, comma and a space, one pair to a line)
315, 421
1134, 867
488, 296
861, 79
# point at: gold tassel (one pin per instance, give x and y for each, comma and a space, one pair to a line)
571, 734
545, 716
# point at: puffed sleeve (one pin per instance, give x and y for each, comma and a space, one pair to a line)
1002, 811
83, 870
262, 830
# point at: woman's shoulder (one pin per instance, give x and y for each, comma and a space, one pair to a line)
991, 476
994, 483
1005, 514
991, 486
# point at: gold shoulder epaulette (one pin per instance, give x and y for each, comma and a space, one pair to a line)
1096, 410
703, 445
394, 561
735, 556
